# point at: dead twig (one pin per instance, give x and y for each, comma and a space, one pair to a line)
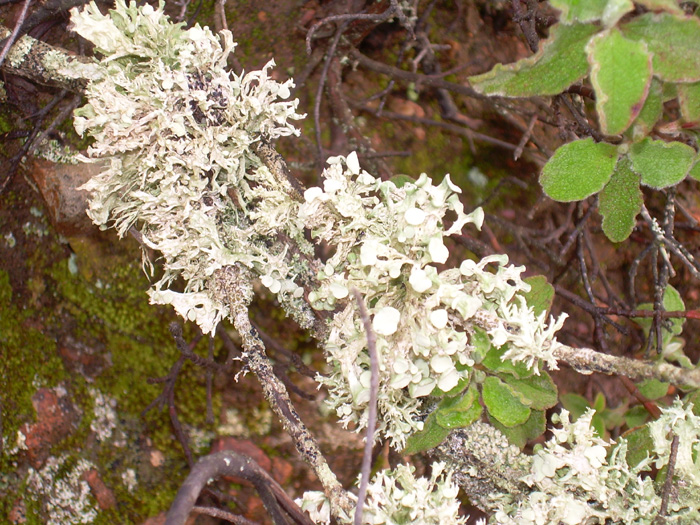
372, 409
9, 42
230, 463
668, 483
233, 285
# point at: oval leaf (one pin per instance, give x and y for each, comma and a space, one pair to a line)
651, 111
577, 11
560, 61
540, 390
493, 361
503, 403
620, 202
661, 164
576, 404
541, 294
578, 170
673, 42
621, 74
459, 412
430, 437
689, 100
653, 388
519, 435
695, 171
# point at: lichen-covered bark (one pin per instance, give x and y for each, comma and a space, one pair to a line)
45, 64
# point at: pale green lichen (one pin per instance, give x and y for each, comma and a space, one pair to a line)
18, 52
105, 416
65, 495
388, 243
579, 478
398, 497
176, 130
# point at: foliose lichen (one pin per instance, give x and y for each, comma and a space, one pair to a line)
397, 496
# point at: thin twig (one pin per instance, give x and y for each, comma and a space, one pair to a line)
453, 128
15, 32
668, 483
526, 21
321, 84
372, 415
230, 463
347, 18
233, 285
525, 138
222, 515
587, 361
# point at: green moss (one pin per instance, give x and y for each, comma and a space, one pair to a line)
107, 301
29, 360
441, 153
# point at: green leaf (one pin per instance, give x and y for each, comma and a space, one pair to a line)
401, 179
639, 445
661, 164
694, 398
670, 6
650, 113
519, 435
609, 11
695, 171
503, 402
539, 390
672, 301
578, 170
620, 202
493, 362
652, 388
576, 404
430, 437
599, 402
598, 424
560, 61
636, 416
541, 294
620, 74
451, 412
673, 42
689, 101
459, 412
481, 343
614, 10
579, 10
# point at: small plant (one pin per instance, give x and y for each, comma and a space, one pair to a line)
635, 63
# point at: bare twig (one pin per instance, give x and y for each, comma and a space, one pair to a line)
586, 361
526, 21
525, 138
668, 483
15, 32
372, 415
321, 84
402, 74
453, 128
346, 19
222, 515
230, 463
233, 286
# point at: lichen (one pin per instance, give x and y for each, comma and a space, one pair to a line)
397, 496
64, 494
